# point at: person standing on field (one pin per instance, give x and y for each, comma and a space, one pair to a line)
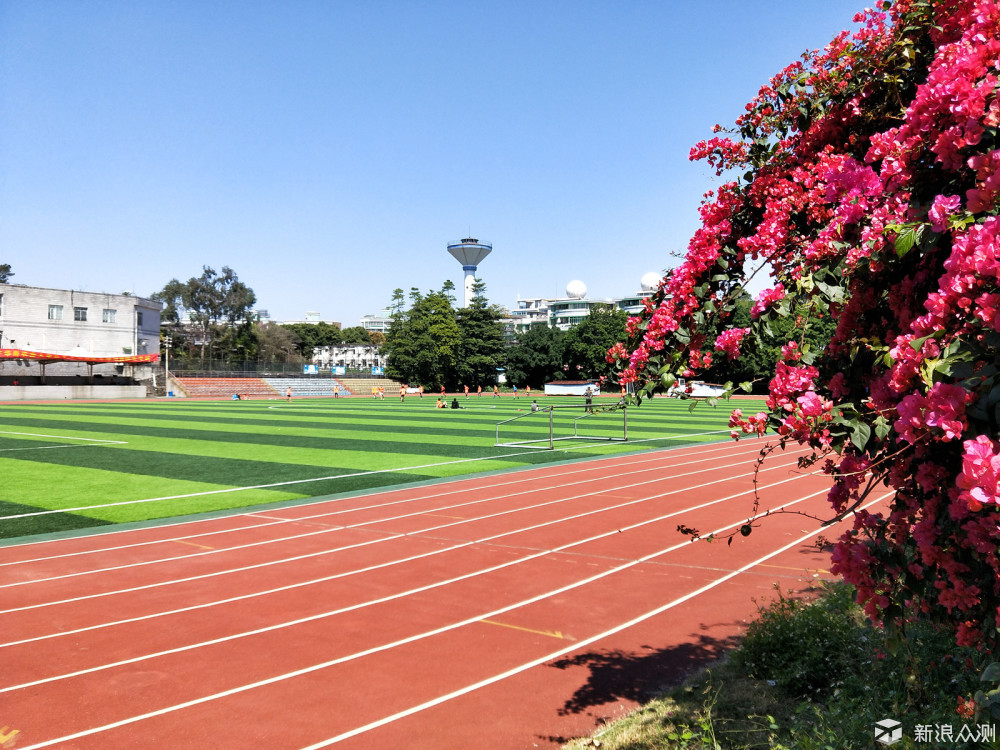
288, 394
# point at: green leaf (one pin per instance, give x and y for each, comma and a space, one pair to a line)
991, 673
905, 241
860, 433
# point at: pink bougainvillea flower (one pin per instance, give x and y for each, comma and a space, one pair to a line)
729, 341
943, 207
767, 299
979, 479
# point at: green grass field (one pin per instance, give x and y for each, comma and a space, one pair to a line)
99, 463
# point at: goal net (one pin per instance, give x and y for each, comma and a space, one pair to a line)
548, 425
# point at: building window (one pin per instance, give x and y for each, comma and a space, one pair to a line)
108, 316
55, 312
138, 318
80, 313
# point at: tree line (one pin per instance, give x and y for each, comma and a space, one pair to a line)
432, 342
210, 317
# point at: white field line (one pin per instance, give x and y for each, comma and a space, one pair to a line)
380, 540
64, 437
400, 561
88, 442
275, 485
568, 649
525, 475
403, 594
46, 448
334, 529
444, 629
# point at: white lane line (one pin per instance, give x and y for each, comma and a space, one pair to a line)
525, 476
331, 530
275, 485
568, 649
400, 561
296, 558
372, 602
444, 629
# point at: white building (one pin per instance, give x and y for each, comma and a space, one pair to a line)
379, 323
83, 324
566, 312
311, 317
349, 356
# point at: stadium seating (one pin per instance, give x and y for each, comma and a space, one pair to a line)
224, 387
363, 386
200, 387
306, 387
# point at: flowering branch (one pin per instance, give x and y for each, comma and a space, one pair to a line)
869, 188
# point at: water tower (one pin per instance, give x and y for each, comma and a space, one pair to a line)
470, 253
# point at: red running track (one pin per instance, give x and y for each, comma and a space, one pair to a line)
502, 611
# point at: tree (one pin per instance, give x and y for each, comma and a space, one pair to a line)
537, 357
756, 365
356, 335
482, 345
171, 296
587, 343
312, 335
278, 344
5, 273
211, 300
422, 344
868, 187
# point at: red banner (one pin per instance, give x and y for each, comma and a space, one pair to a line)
45, 357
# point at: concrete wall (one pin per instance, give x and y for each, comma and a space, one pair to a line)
60, 392
112, 327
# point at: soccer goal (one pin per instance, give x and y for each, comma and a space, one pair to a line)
543, 428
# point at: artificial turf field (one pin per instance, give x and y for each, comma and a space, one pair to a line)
72, 465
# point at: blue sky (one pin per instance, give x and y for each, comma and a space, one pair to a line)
329, 151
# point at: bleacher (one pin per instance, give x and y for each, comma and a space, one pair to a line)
363, 386
224, 387
302, 387
307, 387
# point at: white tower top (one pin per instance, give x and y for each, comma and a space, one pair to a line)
470, 253
576, 290
650, 281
